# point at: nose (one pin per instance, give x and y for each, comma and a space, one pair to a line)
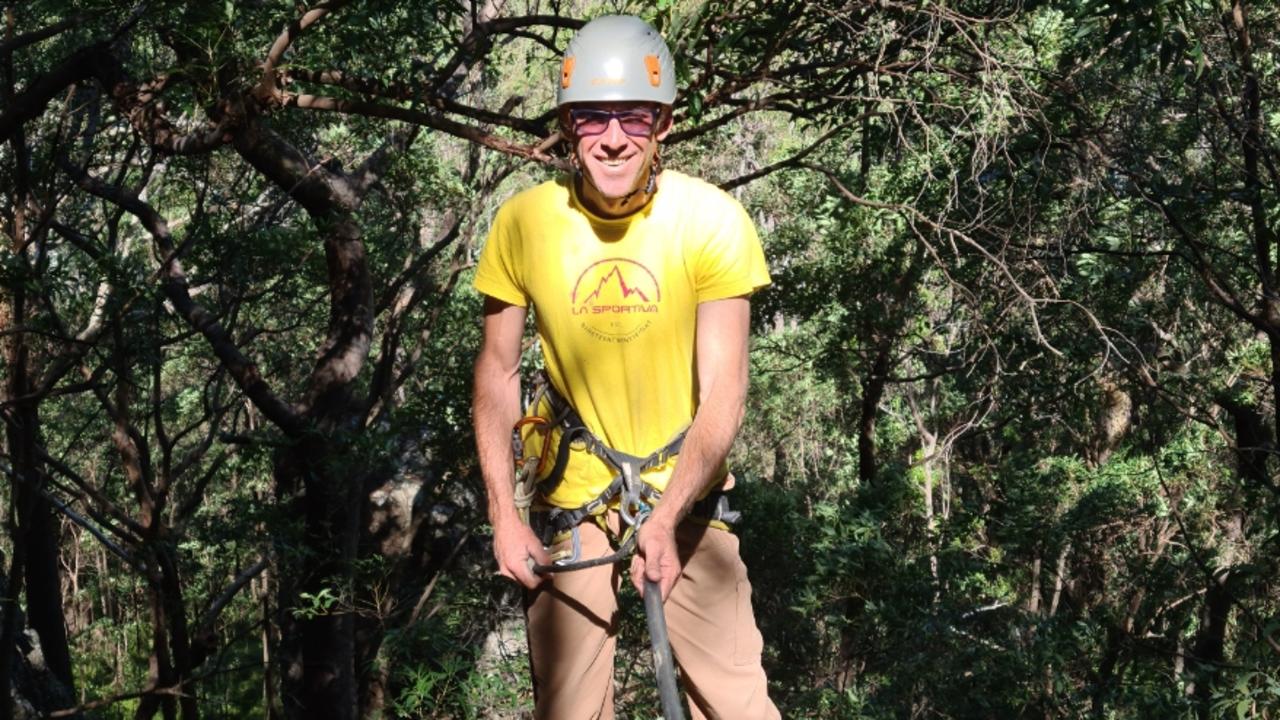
613, 139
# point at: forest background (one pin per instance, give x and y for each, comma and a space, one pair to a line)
1010, 449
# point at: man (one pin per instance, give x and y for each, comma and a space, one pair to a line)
639, 280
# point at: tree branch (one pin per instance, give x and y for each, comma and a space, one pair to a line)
536, 127
380, 160
224, 598
432, 120
20, 41
31, 102
268, 88
174, 284
953, 233
794, 160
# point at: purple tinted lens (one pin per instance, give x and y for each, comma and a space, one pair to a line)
589, 122
636, 122
593, 122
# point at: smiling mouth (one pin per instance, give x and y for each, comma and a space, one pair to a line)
613, 162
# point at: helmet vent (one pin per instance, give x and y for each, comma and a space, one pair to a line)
655, 70
566, 72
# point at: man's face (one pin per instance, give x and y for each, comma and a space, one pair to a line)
614, 143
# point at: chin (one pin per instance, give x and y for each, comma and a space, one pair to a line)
614, 188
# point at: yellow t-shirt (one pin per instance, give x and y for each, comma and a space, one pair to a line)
615, 303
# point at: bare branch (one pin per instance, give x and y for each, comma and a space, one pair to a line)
381, 387
224, 598
952, 233
419, 263
242, 369
1200, 264
431, 120
476, 42
400, 91
135, 531
268, 87
20, 41
794, 160
174, 691
78, 519
728, 117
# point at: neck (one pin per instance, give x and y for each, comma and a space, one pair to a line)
615, 207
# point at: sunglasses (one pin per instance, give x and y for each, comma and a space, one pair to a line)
636, 122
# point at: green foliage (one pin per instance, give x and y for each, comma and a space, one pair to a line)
1012, 414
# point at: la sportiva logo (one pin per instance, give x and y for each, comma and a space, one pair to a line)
616, 299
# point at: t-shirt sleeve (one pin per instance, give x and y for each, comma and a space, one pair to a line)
498, 271
731, 262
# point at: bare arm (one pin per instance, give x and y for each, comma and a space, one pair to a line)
495, 409
721, 350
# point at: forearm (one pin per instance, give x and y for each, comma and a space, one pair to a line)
722, 362
704, 451
495, 410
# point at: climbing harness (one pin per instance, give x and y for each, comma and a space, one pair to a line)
635, 500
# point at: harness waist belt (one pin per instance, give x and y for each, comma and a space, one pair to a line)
573, 429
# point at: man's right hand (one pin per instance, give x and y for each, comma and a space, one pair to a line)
516, 549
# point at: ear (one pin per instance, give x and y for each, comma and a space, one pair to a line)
665, 121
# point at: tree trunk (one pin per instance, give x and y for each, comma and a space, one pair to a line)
1210, 644
1033, 596
1208, 652
1059, 579
1104, 680
161, 673
34, 532
36, 521
171, 595
317, 624
9, 628
873, 386
270, 701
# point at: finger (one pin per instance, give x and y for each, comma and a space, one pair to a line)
526, 577
519, 567
539, 553
637, 574
653, 568
515, 576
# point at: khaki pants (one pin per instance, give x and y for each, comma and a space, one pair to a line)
573, 622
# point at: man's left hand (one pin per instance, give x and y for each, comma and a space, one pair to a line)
657, 558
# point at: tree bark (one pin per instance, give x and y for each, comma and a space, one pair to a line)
36, 521
1209, 650
35, 534
319, 648
873, 386
1210, 646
